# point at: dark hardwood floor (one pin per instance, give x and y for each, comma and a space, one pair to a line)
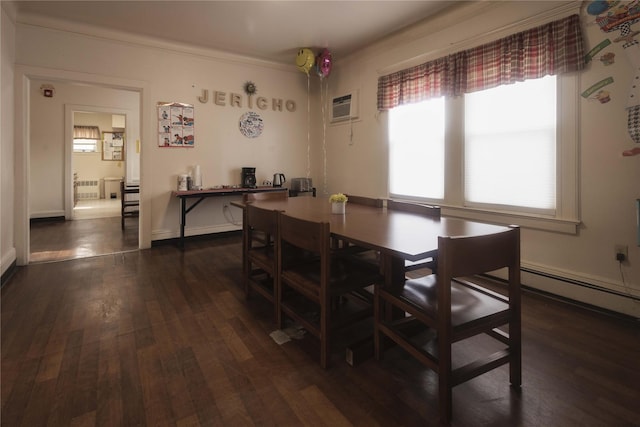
63, 240
163, 337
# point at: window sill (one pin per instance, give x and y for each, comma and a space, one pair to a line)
565, 226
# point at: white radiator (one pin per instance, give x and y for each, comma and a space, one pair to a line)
89, 189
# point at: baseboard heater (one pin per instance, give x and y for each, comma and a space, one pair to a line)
569, 300
89, 189
580, 283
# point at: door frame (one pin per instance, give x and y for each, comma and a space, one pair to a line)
22, 78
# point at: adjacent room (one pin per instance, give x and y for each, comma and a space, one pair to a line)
391, 213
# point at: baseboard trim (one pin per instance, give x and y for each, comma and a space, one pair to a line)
193, 232
48, 219
47, 214
8, 274
199, 237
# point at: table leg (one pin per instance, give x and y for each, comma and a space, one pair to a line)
183, 219
245, 246
183, 215
394, 275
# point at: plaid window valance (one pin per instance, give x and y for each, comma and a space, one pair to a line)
86, 132
553, 48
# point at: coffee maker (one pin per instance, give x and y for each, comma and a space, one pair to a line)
248, 177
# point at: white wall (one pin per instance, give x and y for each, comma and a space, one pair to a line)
7, 39
49, 146
610, 183
166, 74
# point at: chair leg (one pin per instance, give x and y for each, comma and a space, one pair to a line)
276, 310
247, 289
325, 338
377, 316
444, 400
444, 381
515, 353
277, 298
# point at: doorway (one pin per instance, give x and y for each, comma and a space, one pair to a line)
88, 221
98, 164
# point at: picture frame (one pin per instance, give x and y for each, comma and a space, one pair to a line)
176, 125
113, 146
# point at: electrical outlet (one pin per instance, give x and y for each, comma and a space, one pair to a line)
622, 252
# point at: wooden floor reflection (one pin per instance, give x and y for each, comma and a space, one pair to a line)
59, 240
165, 337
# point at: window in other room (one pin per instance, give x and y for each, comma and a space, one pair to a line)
85, 139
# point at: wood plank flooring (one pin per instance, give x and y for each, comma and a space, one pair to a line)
161, 337
64, 240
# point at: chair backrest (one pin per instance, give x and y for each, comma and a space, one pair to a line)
467, 256
299, 237
262, 220
425, 210
268, 195
307, 235
367, 201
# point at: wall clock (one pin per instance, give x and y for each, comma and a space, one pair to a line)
251, 124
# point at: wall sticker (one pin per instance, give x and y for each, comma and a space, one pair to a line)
618, 17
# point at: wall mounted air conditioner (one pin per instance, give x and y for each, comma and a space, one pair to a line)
344, 107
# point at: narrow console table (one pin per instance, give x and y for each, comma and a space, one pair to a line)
200, 195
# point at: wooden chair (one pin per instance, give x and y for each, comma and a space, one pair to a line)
270, 195
367, 201
456, 308
424, 210
355, 249
311, 291
129, 206
261, 255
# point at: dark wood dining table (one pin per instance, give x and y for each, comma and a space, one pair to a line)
397, 235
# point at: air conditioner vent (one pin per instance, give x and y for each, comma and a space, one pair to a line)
344, 107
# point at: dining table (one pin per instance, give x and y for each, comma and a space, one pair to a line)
397, 235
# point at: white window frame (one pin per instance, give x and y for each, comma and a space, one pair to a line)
567, 215
95, 142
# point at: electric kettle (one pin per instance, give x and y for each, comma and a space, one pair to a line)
278, 179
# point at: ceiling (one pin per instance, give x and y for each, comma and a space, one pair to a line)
268, 30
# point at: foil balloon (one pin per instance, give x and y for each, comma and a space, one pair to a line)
305, 60
324, 63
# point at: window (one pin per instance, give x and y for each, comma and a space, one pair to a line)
85, 145
510, 146
501, 155
85, 139
416, 154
